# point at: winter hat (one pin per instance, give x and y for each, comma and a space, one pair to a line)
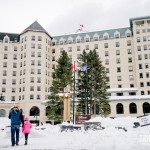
26, 119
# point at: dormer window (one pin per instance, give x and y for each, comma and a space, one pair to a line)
6, 40
87, 40
61, 42
117, 36
128, 34
78, 40
95, 38
69, 41
106, 37
39, 38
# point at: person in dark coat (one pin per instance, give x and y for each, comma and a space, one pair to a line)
16, 117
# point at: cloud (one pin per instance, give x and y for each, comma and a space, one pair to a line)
98, 15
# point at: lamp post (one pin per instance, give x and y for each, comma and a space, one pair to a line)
74, 94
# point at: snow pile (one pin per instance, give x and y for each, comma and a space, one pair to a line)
4, 121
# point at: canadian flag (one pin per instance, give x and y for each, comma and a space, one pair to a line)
81, 25
73, 67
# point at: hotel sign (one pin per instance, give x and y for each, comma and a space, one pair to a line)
80, 119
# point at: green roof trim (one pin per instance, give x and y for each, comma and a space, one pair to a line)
12, 36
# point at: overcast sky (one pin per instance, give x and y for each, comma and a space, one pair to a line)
60, 17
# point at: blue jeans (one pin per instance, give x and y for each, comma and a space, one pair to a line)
26, 137
15, 129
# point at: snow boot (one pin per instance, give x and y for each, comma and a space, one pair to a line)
25, 143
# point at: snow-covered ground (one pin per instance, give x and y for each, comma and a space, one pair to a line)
111, 138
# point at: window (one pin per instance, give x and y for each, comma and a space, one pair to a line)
39, 46
118, 61
5, 64
95, 46
105, 37
120, 86
38, 80
13, 81
137, 31
33, 38
5, 56
132, 108
106, 53
106, 61
78, 48
142, 93
31, 88
38, 96
128, 43
144, 38
105, 45
32, 54
3, 90
129, 51
69, 49
132, 93
14, 57
131, 85
146, 56
95, 38
118, 78
12, 98
32, 62
14, 73
128, 34
15, 48
146, 65
31, 96
78, 40
117, 52
87, 47
138, 39
107, 70
119, 94
61, 49
118, 69
117, 44
140, 66
39, 71
6, 48
69, 41
32, 45
142, 84
129, 60
4, 73
53, 66
3, 81
119, 108
13, 90
39, 38
147, 75
53, 51
32, 71
32, 80
116, 36
131, 77
38, 54
148, 83
87, 40
6, 40
139, 48
39, 63
140, 75
148, 38
53, 58
139, 57
78, 56
146, 107
38, 88
145, 47
14, 65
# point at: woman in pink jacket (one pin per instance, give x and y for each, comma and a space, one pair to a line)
26, 129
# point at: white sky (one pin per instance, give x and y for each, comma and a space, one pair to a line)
64, 16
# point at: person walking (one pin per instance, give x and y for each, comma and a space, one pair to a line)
16, 117
26, 129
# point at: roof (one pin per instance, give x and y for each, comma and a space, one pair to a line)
111, 32
12, 36
35, 26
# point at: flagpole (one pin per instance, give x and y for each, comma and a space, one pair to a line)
74, 93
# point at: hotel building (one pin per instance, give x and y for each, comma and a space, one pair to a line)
29, 58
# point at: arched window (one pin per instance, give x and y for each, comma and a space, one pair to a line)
146, 107
34, 111
119, 108
132, 108
2, 113
47, 110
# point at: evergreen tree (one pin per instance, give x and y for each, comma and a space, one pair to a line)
62, 77
93, 85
